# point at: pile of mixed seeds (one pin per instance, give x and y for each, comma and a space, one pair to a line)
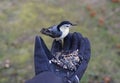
67, 60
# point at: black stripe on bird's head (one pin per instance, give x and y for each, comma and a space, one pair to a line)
66, 24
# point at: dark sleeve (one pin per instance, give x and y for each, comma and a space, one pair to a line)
45, 77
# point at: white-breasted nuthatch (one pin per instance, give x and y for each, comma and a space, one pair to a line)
59, 31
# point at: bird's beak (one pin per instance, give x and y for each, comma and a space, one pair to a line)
74, 24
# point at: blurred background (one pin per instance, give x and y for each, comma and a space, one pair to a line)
21, 21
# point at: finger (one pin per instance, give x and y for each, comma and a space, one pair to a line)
39, 50
56, 46
47, 51
81, 45
74, 42
67, 42
87, 52
40, 58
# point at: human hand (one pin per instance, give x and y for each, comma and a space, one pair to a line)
42, 56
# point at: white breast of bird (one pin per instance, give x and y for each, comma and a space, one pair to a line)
65, 31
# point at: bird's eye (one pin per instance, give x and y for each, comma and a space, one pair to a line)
67, 26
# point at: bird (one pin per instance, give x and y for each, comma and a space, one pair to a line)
59, 31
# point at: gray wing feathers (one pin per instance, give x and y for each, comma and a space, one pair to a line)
51, 31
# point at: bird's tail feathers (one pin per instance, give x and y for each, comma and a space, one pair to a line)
46, 32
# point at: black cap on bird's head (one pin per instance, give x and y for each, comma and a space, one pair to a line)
66, 22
